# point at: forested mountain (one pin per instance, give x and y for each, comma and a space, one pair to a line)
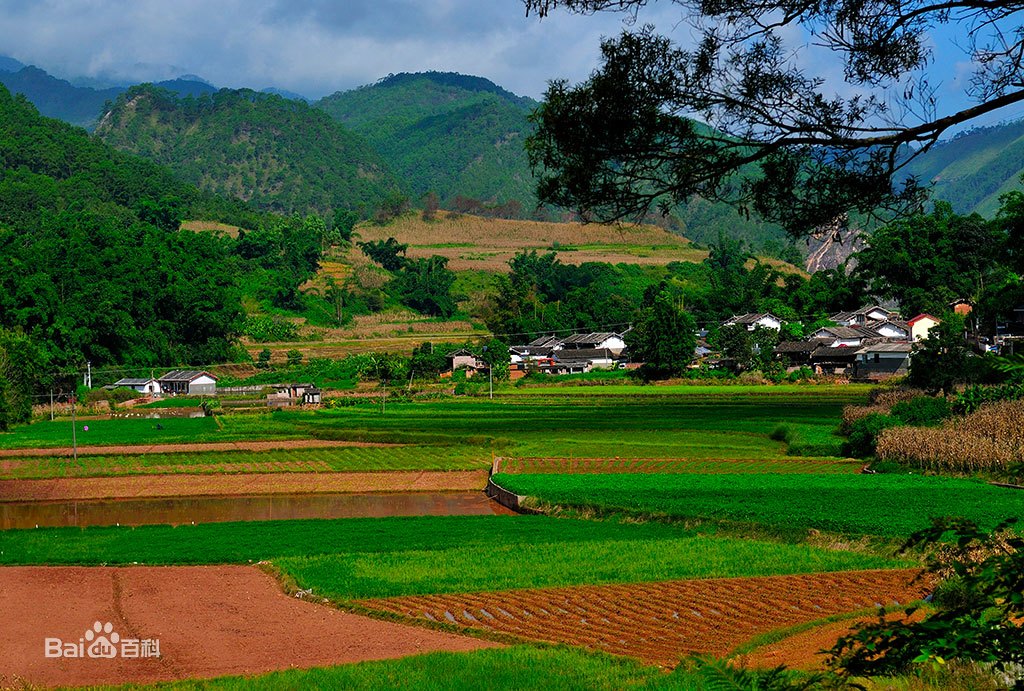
281, 155
92, 266
446, 133
79, 105
57, 98
973, 169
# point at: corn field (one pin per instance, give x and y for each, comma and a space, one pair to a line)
989, 439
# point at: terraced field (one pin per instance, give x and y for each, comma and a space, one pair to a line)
662, 622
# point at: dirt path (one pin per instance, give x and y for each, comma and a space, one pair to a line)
181, 485
131, 450
661, 622
209, 620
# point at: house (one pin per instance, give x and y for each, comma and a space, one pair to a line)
753, 320
595, 341
463, 358
833, 360
962, 307
144, 385
882, 360
861, 317
549, 342
921, 325
192, 382
843, 336
294, 394
891, 329
577, 360
797, 353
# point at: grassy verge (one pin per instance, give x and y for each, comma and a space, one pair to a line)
882, 505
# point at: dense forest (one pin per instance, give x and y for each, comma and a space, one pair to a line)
280, 155
93, 266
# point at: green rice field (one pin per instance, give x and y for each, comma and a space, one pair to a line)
882, 505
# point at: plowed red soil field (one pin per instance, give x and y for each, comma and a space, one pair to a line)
662, 622
209, 621
181, 485
676, 465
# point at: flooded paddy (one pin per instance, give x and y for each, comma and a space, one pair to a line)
215, 509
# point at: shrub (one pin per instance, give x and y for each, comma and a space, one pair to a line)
782, 433
865, 432
267, 330
922, 411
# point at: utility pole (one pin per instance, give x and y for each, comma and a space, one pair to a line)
74, 429
87, 381
51, 404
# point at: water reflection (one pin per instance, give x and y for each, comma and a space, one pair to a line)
183, 510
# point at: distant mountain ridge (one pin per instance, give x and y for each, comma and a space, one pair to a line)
281, 155
974, 168
444, 132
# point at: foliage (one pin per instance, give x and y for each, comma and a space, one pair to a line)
982, 625
922, 411
265, 329
425, 284
775, 138
941, 362
23, 367
864, 433
389, 253
281, 155
663, 338
973, 397
927, 260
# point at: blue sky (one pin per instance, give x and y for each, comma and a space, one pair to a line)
316, 47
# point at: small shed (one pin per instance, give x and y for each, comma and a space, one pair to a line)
194, 382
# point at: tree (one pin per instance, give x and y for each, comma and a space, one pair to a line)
940, 363
263, 361
389, 253
425, 284
663, 338
927, 260
979, 608
431, 204
775, 135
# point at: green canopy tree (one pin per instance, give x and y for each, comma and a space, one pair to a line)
663, 338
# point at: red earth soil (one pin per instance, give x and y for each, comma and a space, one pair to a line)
130, 449
210, 621
674, 465
181, 485
661, 622
803, 650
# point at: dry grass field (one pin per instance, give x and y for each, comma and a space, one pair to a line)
471, 242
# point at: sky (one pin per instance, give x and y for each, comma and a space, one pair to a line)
317, 47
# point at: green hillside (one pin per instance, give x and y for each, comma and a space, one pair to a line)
442, 132
281, 155
973, 169
458, 135
91, 265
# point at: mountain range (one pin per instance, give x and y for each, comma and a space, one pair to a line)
457, 136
